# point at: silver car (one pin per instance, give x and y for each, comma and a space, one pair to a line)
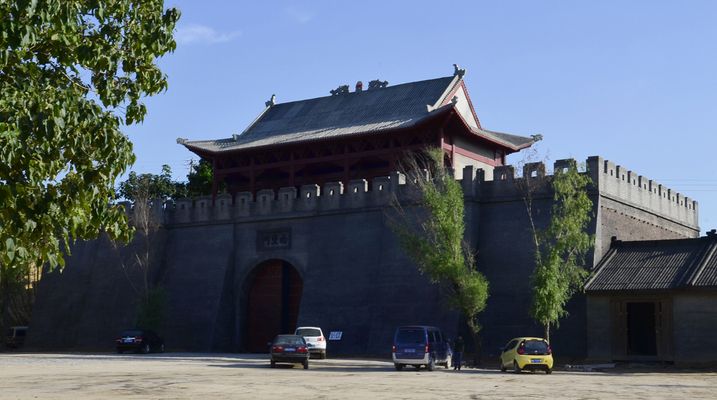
314, 338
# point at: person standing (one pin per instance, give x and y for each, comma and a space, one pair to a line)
458, 348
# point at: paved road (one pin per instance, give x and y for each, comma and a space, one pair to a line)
231, 376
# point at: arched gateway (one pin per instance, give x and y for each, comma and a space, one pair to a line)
274, 297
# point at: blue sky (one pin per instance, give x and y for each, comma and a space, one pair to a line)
632, 81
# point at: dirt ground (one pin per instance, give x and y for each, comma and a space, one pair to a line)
217, 376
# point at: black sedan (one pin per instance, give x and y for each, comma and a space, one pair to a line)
290, 349
139, 341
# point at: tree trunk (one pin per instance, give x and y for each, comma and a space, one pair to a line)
2, 306
475, 334
4, 297
547, 332
477, 354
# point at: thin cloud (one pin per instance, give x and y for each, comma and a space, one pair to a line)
201, 34
300, 16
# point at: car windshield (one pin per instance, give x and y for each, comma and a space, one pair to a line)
20, 332
132, 333
290, 340
411, 336
536, 346
308, 332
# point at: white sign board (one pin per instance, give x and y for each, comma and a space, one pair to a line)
335, 335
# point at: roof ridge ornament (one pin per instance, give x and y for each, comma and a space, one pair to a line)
271, 101
182, 140
343, 89
537, 137
377, 84
458, 71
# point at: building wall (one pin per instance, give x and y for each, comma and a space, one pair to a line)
356, 277
462, 161
695, 324
464, 108
599, 328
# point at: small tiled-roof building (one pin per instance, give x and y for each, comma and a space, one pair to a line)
655, 300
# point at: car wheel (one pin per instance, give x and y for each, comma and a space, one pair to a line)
516, 368
323, 355
548, 371
417, 367
431, 364
399, 367
502, 367
272, 364
145, 348
306, 364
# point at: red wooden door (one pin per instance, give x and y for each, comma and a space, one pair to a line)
273, 304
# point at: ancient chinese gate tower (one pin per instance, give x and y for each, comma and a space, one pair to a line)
356, 135
302, 238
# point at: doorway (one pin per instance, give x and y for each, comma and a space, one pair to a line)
274, 296
641, 329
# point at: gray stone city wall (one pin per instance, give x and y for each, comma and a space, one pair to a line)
353, 280
505, 244
356, 277
85, 306
633, 207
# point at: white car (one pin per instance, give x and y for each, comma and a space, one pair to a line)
315, 340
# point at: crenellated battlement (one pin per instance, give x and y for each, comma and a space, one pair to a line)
306, 199
622, 184
610, 180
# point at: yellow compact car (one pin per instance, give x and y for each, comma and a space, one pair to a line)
527, 353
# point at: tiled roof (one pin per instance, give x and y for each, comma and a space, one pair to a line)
369, 111
707, 275
657, 265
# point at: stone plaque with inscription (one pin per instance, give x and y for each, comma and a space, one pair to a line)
279, 239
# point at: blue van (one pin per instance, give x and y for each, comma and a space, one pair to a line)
420, 346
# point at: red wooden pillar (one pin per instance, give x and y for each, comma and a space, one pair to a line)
453, 155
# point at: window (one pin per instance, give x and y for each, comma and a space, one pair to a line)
411, 336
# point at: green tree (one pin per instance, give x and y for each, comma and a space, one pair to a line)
199, 178
72, 72
149, 187
17, 294
147, 192
560, 249
436, 243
